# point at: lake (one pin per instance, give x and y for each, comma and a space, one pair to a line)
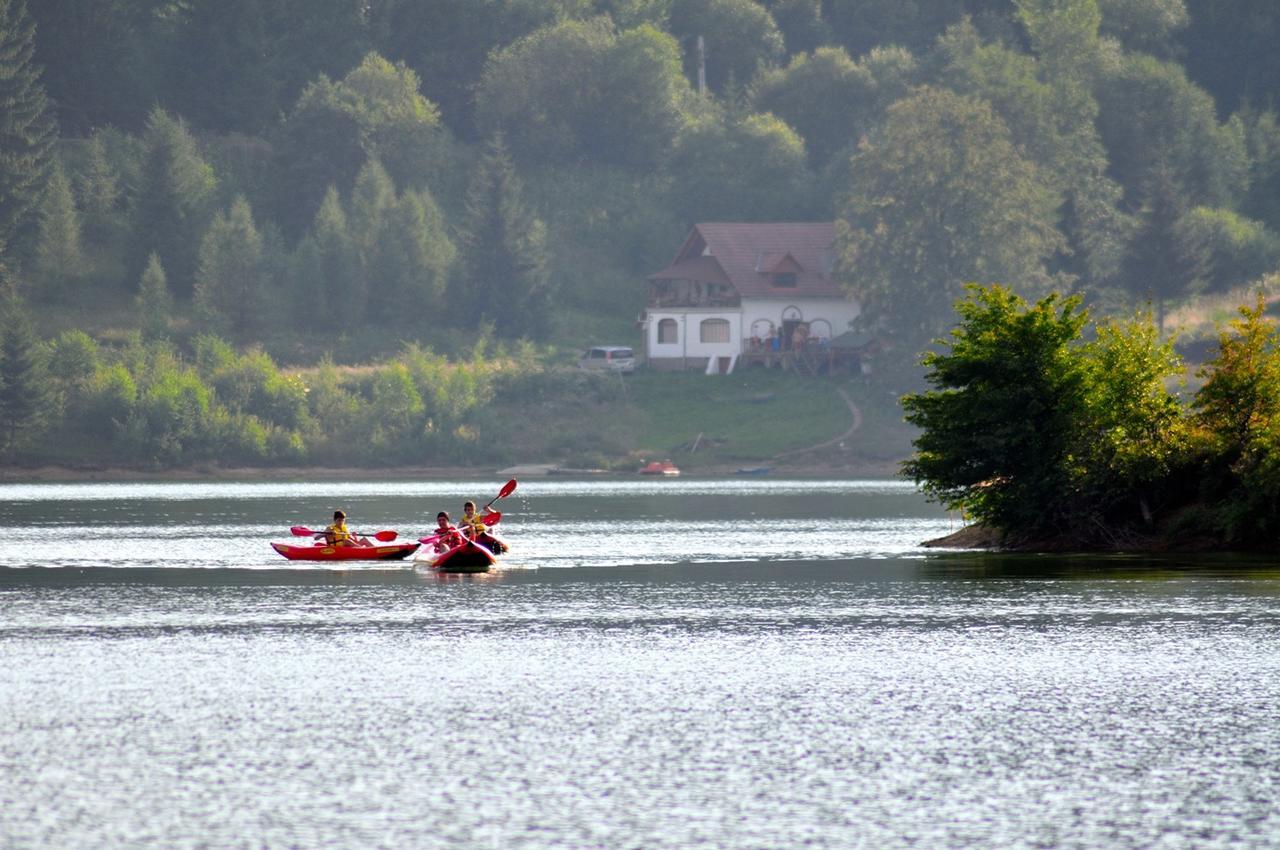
658, 664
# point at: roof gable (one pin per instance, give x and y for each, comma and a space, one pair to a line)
754, 257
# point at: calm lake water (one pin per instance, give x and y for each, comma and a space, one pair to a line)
659, 664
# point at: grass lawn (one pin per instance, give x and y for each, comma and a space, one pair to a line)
751, 416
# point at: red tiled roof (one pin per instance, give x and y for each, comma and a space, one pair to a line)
744, 253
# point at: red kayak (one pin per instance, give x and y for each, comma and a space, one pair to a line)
322, 552
467, 557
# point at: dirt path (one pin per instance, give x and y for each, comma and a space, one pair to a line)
854, 412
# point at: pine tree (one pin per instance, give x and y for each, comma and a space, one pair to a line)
172, 206
326, 268
27, 127
153, 303
59, 260
98, 193
24, 385
504, 275
1166, 258
231, 280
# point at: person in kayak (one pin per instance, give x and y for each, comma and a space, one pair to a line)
337, 534
474, 528
446, 535
471, 525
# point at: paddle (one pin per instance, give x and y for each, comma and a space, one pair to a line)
507, 490
490, 519
303, 531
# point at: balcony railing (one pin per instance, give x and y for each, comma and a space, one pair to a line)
669, 300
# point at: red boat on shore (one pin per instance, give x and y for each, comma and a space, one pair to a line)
324, 552
659, 467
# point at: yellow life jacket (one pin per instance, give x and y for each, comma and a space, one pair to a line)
338, 532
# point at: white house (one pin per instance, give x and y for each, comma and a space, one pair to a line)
738, 292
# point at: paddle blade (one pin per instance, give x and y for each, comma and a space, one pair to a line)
507, 489
385, 536
301, 531
491, 518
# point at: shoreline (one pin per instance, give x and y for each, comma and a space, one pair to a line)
54, 473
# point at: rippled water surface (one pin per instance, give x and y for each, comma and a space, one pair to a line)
736, 664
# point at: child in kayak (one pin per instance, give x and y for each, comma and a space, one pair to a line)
337, 533
473, 527
446, 535
471, 524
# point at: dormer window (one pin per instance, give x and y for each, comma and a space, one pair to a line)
785, 280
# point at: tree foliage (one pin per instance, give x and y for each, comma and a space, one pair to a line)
740, 168
741, 39
231, 281
503, 275
939, 198
624, 103
375, 111
27, 127
173, 201
24, 396
999, 429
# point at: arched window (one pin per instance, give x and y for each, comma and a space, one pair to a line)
761, 328
820, 328
668, 333
714, 330
792, 314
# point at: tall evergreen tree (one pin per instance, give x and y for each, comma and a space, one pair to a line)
231, 280
153, 302
504, 275
24, 385
326, 268
173, 199
59, 260
98, 193
27, 127
1166, 258
408, 274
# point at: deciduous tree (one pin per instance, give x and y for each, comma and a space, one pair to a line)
939, 199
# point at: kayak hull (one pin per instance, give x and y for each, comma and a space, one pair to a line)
391, 552
467, 557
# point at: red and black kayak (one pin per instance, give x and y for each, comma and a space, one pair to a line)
323, 552
468, 556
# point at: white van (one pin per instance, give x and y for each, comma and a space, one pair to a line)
609, 358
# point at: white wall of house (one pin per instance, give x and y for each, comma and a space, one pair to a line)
836, 312
689, 344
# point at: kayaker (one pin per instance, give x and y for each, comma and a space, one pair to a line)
337, 533
471, 524
446, 535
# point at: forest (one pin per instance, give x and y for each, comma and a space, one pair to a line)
259, 231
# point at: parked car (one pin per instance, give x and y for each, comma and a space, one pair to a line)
609, 358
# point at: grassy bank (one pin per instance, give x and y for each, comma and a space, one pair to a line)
704, 423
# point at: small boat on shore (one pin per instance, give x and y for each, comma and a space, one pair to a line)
659, 467
324, 552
